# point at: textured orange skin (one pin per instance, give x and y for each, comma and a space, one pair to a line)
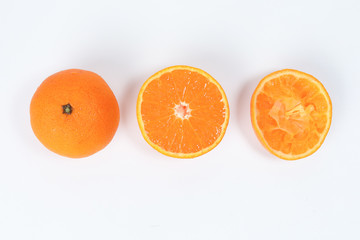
258, 131
92, 123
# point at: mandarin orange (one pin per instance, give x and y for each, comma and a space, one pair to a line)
182, 112
74, 113
291, 113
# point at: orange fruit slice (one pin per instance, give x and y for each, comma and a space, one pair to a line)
74, 113
182, 112
291, 113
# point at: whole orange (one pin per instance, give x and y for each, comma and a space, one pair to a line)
74, 113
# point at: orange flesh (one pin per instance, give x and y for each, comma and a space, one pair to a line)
293, 114
183, 112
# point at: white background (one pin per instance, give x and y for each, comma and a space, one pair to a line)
130, 191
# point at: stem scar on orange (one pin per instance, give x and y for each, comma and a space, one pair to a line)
291, 113
74, 113
182, 112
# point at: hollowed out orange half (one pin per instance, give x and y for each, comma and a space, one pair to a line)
291, 113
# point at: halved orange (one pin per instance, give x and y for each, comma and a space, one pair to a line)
291, 113
182, 112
